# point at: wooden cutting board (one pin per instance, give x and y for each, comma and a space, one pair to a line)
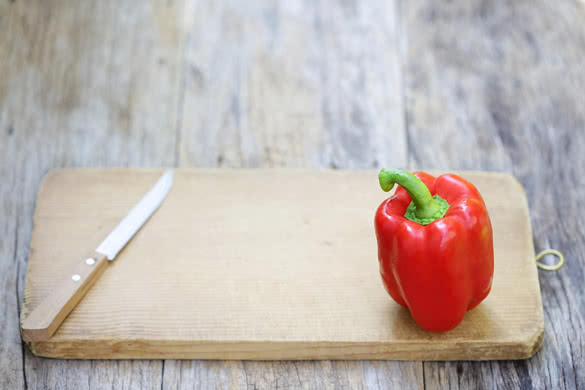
263, 264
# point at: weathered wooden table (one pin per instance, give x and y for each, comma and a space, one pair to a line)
480, 85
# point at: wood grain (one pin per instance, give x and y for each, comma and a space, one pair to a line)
269, 272
275, 84
498, 87
82, 85
188, 374
11, 351
253, 75
531, 56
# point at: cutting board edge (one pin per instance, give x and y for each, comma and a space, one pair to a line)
521, 348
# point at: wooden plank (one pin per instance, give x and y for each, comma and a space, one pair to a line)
12, 264
93, 374
246, 270
248, 375
11, 359
81, 85
68, 372
292, 84
233, 116
508, 97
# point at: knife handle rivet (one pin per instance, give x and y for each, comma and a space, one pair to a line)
76, 278
90, 261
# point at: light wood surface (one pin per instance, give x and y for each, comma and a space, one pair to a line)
42, 322
260, 265
480, 85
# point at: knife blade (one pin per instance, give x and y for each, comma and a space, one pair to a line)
139, 214
46, 318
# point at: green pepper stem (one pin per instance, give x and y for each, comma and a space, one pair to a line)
426, 206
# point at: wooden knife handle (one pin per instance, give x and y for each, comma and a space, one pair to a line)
46, 318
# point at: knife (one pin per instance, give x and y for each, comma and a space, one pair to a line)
46, 318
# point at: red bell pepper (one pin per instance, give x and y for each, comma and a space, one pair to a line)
435, 246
